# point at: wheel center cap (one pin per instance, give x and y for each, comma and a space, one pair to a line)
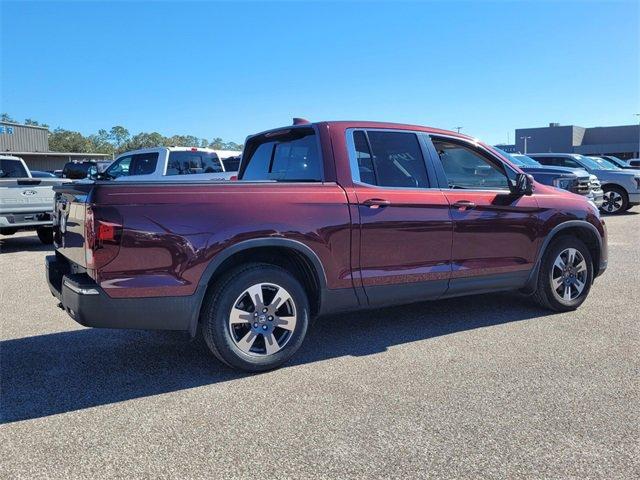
262, 318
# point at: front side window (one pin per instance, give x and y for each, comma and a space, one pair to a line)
120, 167
138, 164
389, 159
467, 169
187, 163
288, 157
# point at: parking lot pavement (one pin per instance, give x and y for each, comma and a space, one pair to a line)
486, 386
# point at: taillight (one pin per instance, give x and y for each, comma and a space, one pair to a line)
103, 234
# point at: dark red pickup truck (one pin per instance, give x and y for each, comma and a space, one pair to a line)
325, 217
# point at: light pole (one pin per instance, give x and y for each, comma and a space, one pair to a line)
459, 128
525, 143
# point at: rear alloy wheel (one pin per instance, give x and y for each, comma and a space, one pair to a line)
565, 276
614, 200
256, 317
262, 319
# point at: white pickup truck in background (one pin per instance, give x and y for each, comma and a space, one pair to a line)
26, 203
170, 164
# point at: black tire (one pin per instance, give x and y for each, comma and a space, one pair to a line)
8, 231
544, 294
45, 234
614, 208
217, 331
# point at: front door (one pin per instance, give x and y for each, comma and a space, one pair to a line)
495, 231
405, 224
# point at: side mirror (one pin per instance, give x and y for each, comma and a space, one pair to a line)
523, 184
92, 172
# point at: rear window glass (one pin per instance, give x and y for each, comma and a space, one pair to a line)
12, 169
76, 170
231, 164
290, 157
188, 163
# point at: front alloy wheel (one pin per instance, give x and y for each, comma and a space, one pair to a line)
566, 274
569, 275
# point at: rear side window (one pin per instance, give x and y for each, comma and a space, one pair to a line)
292, 156
188, 163
12, 169
138, 164
389, 159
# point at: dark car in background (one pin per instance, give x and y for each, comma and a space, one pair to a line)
77, 170
575, 180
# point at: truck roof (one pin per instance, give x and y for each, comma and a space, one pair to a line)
220, 153
344, 124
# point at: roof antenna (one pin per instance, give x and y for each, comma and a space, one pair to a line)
300, 121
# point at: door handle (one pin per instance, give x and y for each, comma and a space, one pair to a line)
463, 205
376, 203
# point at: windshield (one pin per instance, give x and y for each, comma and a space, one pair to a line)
520, 159
599, 163
526, 161
12, 169
607, 160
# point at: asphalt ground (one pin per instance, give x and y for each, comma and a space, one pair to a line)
479, 387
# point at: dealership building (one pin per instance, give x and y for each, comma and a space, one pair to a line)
31, 143
621, 141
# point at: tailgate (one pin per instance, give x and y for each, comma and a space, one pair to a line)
27, 195
69, 218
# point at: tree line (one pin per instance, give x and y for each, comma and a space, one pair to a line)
118, 140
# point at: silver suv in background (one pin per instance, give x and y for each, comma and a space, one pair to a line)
621, 187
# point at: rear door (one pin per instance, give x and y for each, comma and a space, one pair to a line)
405, 224
495, 232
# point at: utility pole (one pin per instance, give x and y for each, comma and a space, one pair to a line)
459, 128
525, 143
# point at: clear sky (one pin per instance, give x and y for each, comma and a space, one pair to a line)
231, 69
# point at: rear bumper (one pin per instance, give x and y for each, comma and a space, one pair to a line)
89, 305
25, 220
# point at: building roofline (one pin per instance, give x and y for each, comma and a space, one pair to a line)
67, 154
23, 125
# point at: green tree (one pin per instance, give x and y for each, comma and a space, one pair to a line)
62, 140
118, 135
100, 142
144, 140
4, 117
217, 143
